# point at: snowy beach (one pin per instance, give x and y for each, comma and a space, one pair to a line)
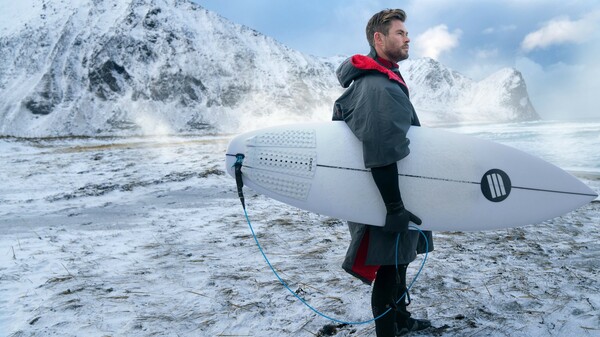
108, 229
146, 237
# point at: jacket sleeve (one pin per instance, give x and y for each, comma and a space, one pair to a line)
380, 117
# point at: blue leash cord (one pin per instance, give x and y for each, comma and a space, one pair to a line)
238, 165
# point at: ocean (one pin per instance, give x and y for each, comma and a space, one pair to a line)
571, 145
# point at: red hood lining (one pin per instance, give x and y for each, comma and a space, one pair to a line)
366, 63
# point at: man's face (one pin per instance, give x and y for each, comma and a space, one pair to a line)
394, 45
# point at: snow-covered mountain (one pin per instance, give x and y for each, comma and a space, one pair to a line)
442, 95
107, 67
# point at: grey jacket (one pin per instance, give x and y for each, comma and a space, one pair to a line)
377, 109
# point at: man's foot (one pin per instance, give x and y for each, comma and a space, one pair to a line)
410, 325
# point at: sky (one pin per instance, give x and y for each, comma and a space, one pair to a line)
555, 44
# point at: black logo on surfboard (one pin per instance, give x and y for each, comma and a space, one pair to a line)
495, 185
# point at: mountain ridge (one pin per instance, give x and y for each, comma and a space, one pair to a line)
97, 67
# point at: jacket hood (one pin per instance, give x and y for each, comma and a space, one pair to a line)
359, 65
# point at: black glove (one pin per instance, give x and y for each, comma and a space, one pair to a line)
398, 217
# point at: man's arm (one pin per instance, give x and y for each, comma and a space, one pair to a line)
397, 217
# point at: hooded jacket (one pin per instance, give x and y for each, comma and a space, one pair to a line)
376, 107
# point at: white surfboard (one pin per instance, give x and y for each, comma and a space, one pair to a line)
453, 182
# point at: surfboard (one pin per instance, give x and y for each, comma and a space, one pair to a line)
453, 182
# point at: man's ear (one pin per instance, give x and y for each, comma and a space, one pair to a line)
378, 38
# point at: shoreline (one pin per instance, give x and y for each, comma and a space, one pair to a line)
588, 175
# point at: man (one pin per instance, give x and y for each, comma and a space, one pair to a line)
376, 107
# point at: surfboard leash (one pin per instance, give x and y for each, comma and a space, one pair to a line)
239, 159
240, 184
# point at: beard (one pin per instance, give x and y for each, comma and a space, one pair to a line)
398, 54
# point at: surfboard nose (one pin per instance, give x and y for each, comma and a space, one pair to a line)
594, 194
585, 190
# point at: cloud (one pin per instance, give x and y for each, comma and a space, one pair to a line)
483, 54
561, 30
561, 90
571, 99
436, 40
500, 29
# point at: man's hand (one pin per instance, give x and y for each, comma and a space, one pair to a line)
398, 217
